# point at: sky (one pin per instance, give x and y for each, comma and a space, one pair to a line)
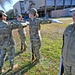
9, 6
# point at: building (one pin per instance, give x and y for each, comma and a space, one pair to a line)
19, 8
45, 7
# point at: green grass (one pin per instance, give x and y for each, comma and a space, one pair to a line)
50, 52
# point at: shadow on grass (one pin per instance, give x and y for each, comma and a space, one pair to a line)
22, 70
16, 54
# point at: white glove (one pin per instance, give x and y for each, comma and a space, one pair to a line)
27, 22
23, 24
56, 21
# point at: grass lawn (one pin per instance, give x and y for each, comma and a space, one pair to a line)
50, 52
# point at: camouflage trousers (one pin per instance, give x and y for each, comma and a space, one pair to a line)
11, 53
23, 42
35, 48
22, 35
69, 70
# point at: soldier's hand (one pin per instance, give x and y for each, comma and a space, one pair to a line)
24, 24
27, 22
56, 21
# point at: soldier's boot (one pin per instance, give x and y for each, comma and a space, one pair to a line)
37, 60
32, 57
11, 64
25, 46
13, 67
21, 47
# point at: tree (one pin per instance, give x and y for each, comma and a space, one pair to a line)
2, 2
10, 14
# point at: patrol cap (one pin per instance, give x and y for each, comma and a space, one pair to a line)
2, 13
33, 11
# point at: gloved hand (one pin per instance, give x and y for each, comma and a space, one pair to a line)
27, 22
56, 21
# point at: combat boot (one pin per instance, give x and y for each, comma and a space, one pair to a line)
25, 46
11, 67
32, 57
21, 47
37, 61
11, 64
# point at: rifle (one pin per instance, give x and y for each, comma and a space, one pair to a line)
61, 69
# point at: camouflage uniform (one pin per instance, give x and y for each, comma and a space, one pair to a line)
34, 30
6, 41
35, 39
68, 50
22, 35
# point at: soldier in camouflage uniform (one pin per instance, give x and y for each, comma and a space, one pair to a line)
34, 29
22, 34
68, 50
6, 40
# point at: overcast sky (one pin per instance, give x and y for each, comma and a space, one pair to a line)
9, 6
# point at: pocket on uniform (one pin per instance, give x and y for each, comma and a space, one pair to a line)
72, 47
71, 59
36, 43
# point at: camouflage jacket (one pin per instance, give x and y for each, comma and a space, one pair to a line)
68, 51
6, 40
34, 27
21, 30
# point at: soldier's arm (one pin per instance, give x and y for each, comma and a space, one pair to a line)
15, 25
47, 20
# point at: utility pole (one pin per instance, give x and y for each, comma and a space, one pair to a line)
55, 4
71, 3
64, 4
45, 8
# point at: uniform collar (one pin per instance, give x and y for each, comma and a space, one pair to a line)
33, 19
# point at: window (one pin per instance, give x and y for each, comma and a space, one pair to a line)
22, 4
67, 2
73, 2
49, 2
22, 10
